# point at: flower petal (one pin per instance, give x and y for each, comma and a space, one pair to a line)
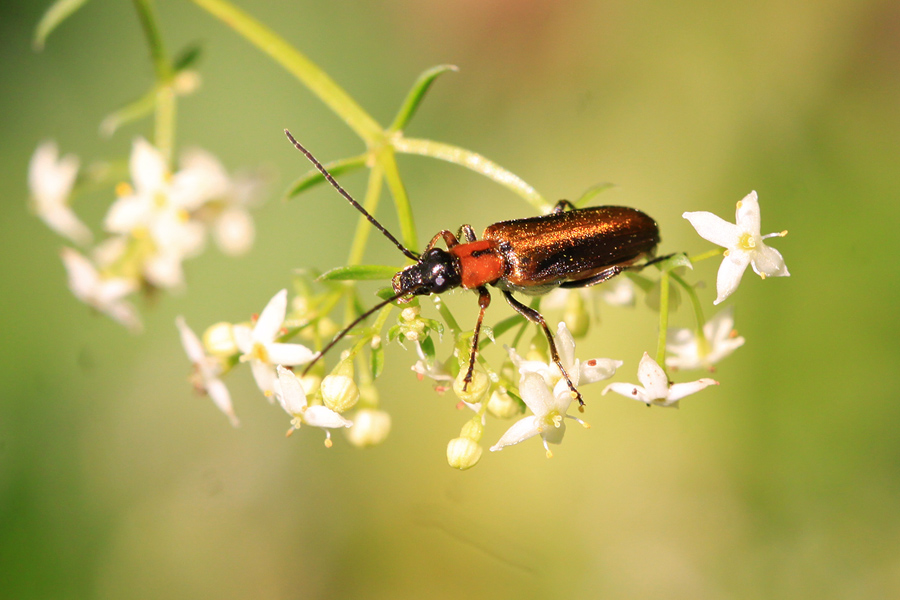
746, 216
653, 378
264, 374
218, 393
536, 395
320, 416
271, 318
629, 390
519, 432
598, 369
767, 260
290, 392
189, 340
713, 228
680, 390
289, 354
148, 167
730, 273
243, 337
565, 346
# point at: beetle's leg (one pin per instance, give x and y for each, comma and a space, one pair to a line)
655, 260
563, 206
446, 235
466, 231
600, 277
536, 317
484, 300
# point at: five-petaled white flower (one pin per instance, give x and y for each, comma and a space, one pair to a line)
258, 345
292, 398
546, 393
718, 341
655, 387
206, 371
743, 245
51, 179
105, 294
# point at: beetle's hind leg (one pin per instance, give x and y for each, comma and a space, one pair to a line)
536, 317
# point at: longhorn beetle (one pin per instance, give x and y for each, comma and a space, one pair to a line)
568, 248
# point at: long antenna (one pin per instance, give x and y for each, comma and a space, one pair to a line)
347, 329
409, 253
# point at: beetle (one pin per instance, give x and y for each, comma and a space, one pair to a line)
568, 248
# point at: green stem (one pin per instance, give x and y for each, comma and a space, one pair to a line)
474, 161
703, 343
663, 319
710, 254
448, 317
150, 24
370, 203
164, 126
314, 78
388, 161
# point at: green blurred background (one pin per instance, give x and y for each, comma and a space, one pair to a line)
784, 482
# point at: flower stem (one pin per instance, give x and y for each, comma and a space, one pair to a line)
388, 161
710, 254
164, 125
698, 313
663, 319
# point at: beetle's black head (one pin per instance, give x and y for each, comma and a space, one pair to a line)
436, 272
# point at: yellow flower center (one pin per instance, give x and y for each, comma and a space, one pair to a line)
747, 242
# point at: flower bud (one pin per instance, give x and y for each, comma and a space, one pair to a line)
576, 315
219, 341
503, 406
477, 388
339, 391
463, 453
370, 427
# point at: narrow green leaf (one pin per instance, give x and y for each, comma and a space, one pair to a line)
415, 95
188, 57
296, 63
591, 192
58, 12
133, 111
673, 262
387, 159
474, 161
507, 324
377, 362
336, 168
385, 293
359, 273
428, 350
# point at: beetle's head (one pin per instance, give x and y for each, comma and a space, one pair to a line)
436, 272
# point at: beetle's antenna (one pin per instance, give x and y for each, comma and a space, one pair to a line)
347, 329
409, 253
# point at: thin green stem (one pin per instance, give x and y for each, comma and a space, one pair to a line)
296, 63
448, 317
663, 319
703, 343
164, 122
474, 161
710, 254
164, 125
150, 24
370, 203
388, 160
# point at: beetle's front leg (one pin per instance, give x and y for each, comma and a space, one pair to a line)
466, 231
446, 235
536, 317
484, 300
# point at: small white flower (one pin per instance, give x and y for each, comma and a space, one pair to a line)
620, 292
655, 387
719, 340
433, 370
206, 371
549, 415
546, 393
259, 347
103, 294
743, 245
51, 179
370, 427
292, 398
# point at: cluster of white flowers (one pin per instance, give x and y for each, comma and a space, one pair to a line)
160, 219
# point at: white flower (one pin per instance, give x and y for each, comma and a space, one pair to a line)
719, 340
546, 393
206, 371
433, 370
618, 293
549, 415
159, 208
51, 179
259, 347
655, 387
581, 373
292, 398
743, 243
103, 294
370, 427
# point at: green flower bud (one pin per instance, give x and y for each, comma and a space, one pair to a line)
576, 315
463, 453
503, 406
473, 429
219, 341
339, 391
477, 388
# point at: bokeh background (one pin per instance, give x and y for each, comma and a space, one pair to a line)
784, 482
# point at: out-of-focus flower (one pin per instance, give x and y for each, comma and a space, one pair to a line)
206, 371
618, 292
655, 387
370, 427
259, 347
719, 340
743, 245
105, 294
50, 180
292, 398
435, 370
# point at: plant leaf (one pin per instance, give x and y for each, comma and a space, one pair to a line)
377, 362
138, 109
188, 57
415, 95
591, 192
359, 273
313, 177
58, 12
